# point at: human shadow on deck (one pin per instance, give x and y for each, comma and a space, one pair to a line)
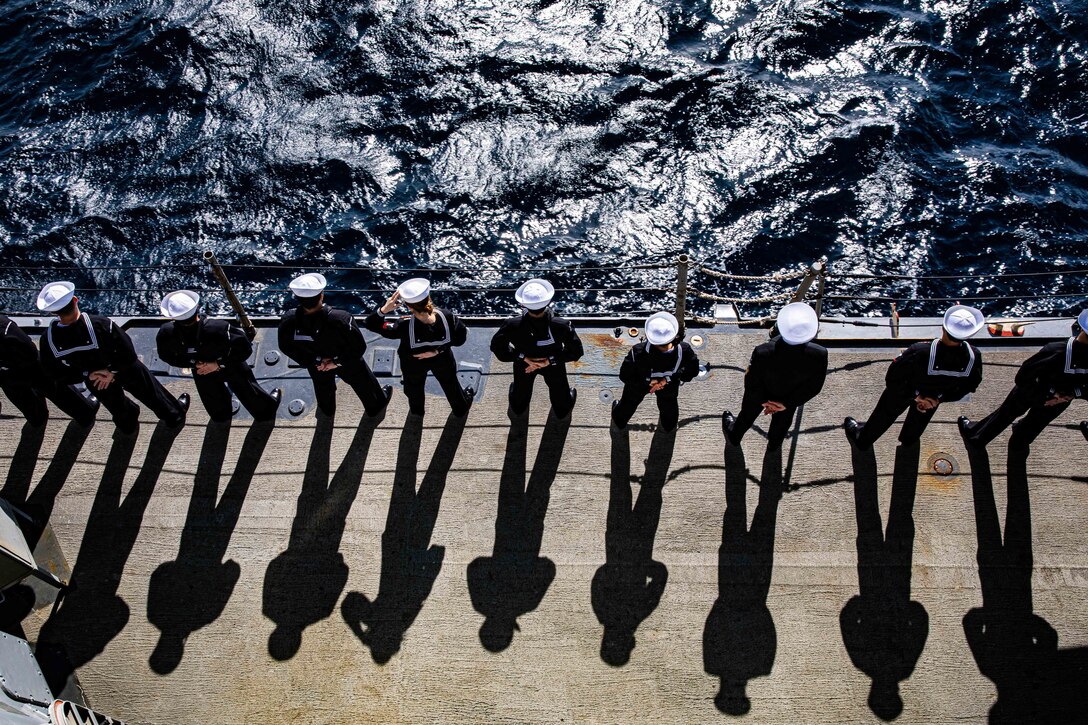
513, 580
303, 584
739, 640
38, 505
1014, 647
628, 587
410, 563
193, 590
883, 630
20, 599
89, 613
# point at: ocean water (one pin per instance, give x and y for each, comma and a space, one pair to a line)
595, 139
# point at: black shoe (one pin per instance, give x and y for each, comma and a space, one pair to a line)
965, 425
470, 394
183, 404
728, 419
615, 404
1084, 428
277, 395
387, 394
573, 400
853, 432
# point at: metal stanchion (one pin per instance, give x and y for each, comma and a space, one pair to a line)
681, 292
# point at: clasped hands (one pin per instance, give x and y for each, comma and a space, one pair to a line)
532, 364
101, 379
924, 403
772, 406
326, 365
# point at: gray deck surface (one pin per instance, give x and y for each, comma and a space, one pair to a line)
275, 629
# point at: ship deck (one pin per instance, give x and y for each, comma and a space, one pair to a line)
340, 570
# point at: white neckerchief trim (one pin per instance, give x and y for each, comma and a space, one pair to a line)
1069, 369
93, 345
932, 370
414, 344
679, 357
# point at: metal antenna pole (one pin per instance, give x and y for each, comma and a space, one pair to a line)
816, 270
235, 303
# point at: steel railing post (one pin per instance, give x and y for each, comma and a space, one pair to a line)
235, 303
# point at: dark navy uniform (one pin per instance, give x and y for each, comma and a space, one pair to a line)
548, 337
931, 369
416, 337
70, 353
27, 386
185, 343
645, 363
788, 374
330, 333
1060, 368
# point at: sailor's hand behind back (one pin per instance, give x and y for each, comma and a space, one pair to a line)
425, 355
535, 363
926, 404
1059, 400
101, 379
657, 384
326, 365
772, 406
207, 368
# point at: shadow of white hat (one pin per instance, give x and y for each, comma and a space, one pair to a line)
55, 296
308, 285
661, 328
797, 323
180, 304
414, 290
536, 294
961, 321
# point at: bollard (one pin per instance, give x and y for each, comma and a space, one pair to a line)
235, 303
681, 292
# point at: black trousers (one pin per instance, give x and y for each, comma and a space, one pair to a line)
750, 409
28, 394
444, 367
355, 373
634, 393
521, 393
239, 378
890, 406
1030, 426
138, 381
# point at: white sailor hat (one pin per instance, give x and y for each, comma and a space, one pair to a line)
1082, 320
797, 323
180, 304
414, 290
55, 296
661, 328
536, 294
961, 321
308, 285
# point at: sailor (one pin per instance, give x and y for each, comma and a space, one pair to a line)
538, 342
784, 373
1044, 386
27, 386
80, 347
328, 343
216, 351
660, 366
427, 338
925, 375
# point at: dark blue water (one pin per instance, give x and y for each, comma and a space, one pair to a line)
918, 138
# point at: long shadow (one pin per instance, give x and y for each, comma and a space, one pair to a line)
513, 580
628, 587
38, 505
739, 640
410, 563
303, 584
1014, 647
90, 613
193, 590
883, 630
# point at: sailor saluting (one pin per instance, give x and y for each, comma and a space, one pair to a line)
26, 384
217, 351
427, 338
328, 343
660, 366
538, 343
925, 375
784, 373
79, 347
1045, 385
